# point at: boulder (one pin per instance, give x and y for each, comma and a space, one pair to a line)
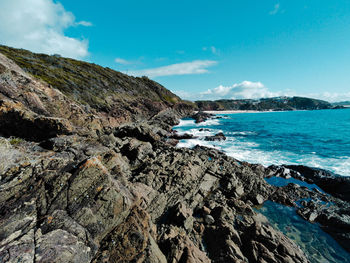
217, 137
201, 116
15, 120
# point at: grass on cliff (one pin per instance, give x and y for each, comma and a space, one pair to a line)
15, 141
89, 83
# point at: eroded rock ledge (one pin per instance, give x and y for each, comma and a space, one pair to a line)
119, 199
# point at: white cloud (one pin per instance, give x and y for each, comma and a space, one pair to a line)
330, 96
38, 25
83, 23
122, 61
213, 50
186, 68
243, 90
256, 90
275, 9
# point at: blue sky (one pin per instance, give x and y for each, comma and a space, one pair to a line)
198, 49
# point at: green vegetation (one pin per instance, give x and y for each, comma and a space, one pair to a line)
15, 141
88, 83
276, 104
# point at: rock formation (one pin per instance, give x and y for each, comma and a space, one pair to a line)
80, 184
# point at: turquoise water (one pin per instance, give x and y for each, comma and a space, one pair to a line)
316, 244
280, 181
313, 138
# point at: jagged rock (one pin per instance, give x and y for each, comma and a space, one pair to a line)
108, 140
272, 246
179, 248
239, 190
142, 132
184, 136
132, 240
330, 183
181, 216
217, 137
137, 150
259, 199
209, 219
15, 120
60, 246
201, 116
166, 119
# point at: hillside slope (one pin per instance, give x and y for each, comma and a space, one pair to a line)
276, 104
100, 90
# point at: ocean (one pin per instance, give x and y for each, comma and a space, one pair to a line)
319, 138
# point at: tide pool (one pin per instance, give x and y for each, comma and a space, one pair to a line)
319, 246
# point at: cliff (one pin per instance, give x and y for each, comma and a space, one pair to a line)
274, 104
82, 183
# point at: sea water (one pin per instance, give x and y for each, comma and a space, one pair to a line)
319, 138
318, 246
313, 138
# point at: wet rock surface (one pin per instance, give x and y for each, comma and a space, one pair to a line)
217, 137
201, 116
331, 211
336, 185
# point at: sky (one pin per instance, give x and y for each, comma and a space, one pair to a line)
205, 49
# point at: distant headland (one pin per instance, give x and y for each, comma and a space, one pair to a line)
268, 104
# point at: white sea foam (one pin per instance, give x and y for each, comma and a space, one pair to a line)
249, 152
193, 142
188, 123
245, 152
209, 122
203, 132
339, 166
239, 145
185, 123
243, 133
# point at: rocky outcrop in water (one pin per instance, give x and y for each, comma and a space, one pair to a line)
201, 116
338, 186
331, 210
217, 137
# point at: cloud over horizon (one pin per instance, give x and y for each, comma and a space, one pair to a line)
38, 25
330, 96
256, 90
244, 90
185, 68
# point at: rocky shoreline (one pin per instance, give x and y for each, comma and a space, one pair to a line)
77, 185
128, 195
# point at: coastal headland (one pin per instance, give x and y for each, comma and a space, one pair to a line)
90, 172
